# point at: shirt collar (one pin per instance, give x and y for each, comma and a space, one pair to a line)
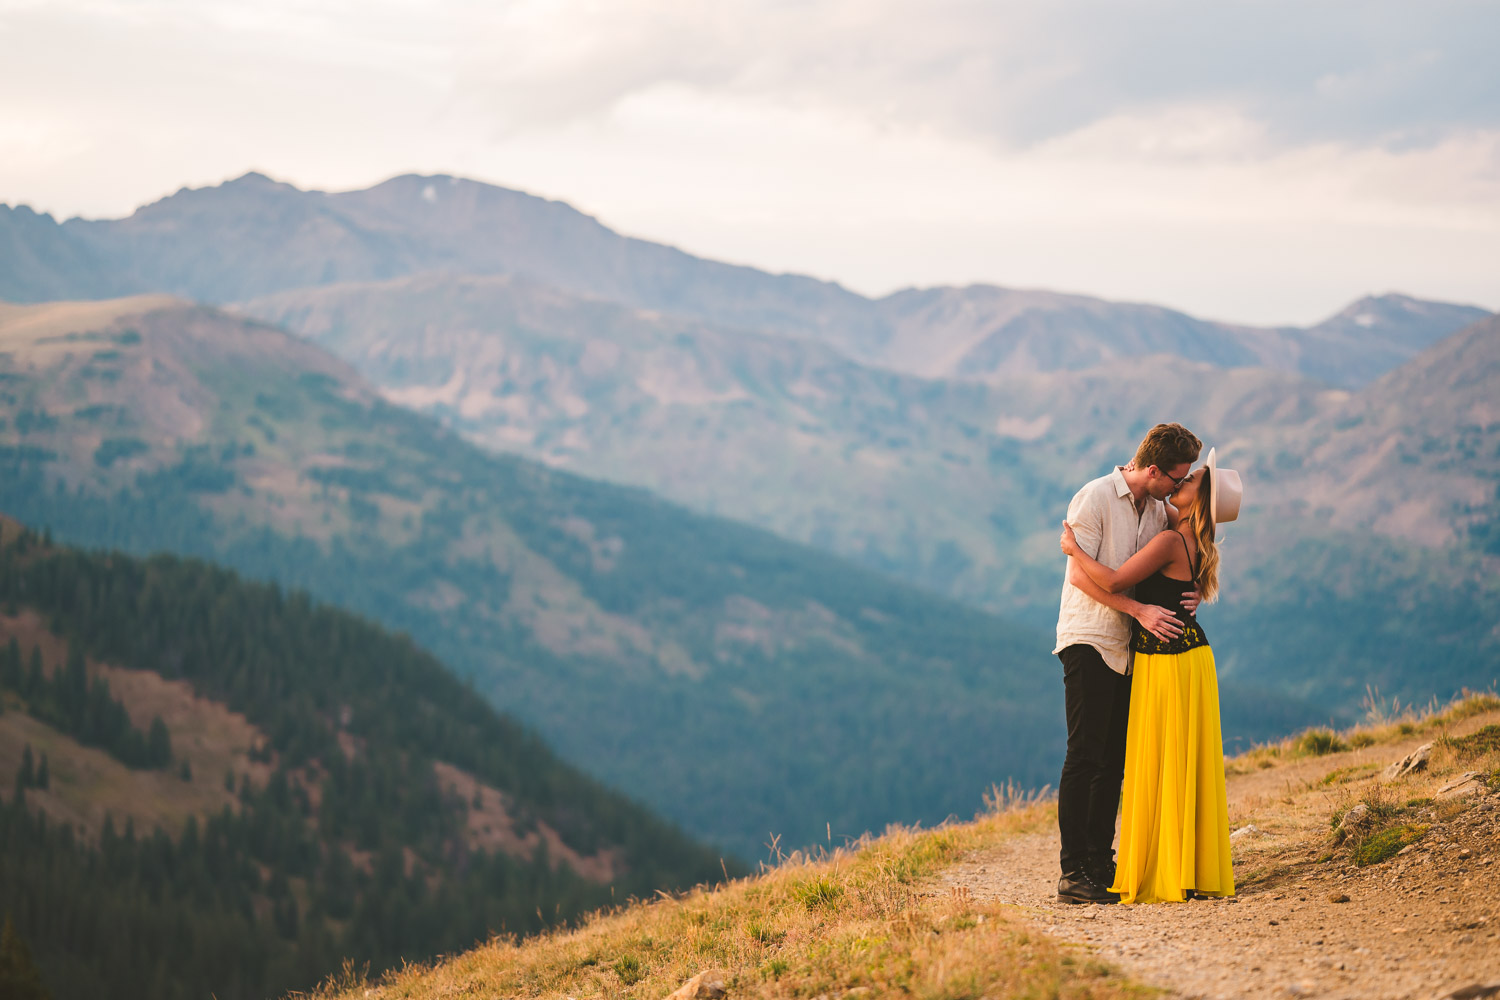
1122, 488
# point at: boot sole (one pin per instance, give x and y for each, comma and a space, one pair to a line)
1080, 900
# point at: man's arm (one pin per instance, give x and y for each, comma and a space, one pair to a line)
1087, 518
1158, 621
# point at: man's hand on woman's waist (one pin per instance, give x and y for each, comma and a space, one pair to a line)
1157, 620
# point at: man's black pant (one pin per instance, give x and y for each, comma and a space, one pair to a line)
1088, 794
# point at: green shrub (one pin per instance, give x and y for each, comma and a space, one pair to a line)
1477, 743
1387, 843
774, 968
816, 893
763, 934
629, 969
1316, 742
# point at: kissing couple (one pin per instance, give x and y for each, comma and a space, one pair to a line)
1138, 678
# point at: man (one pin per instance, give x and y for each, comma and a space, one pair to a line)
1112, 518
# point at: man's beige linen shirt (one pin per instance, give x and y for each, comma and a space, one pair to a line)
1107, 527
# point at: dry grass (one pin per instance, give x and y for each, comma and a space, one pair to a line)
859, 921
867, 921
1384, 723
1393, 816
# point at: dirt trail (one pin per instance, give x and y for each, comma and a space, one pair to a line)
1419, 925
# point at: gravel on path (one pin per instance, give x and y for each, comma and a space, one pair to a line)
1421, 925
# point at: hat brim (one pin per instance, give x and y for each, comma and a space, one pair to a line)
1212, 465
1229, 492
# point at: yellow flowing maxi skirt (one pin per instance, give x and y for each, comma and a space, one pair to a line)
1174, 816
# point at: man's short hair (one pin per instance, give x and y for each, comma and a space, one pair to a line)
1167, 446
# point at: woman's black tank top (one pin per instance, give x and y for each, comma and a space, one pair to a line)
1165, 592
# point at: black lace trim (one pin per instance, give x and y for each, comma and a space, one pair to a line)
1192, 637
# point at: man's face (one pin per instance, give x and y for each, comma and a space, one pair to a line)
1161, 482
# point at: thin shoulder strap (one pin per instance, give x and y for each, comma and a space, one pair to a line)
1192, 563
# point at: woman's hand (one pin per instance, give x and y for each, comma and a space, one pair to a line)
1068, 542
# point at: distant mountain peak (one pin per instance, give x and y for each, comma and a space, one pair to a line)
253, 177
232, 195
252, 180
26, 211
1392, 304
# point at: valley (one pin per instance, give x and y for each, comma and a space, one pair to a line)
786, 434
630, 633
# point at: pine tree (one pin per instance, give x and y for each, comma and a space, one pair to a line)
19, 978
43, 774
10, 666
158, 744
26, 776
284, 915
74, 690
34, 676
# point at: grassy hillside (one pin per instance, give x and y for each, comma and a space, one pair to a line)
740, 684
331, 791
934, 913
861, 921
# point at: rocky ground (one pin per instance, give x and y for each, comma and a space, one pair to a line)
1307, 920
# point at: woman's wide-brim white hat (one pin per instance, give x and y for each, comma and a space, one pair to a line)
1227, 488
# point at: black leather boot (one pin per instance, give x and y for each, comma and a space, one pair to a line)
1078, 887
1101, 869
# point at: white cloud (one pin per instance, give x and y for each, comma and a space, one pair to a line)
1253, 159
1189, 209
1013, 72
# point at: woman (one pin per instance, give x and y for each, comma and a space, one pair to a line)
1174, 818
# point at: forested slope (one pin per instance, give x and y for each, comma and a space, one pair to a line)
378, 810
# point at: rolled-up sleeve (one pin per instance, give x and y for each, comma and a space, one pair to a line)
1086, 516
1105, 530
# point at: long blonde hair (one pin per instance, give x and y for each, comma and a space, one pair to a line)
1201, 523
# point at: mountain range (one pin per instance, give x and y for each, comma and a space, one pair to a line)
254, 236
742, 685
932, 435
790, 434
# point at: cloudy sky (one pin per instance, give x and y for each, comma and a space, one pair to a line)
1263, 161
